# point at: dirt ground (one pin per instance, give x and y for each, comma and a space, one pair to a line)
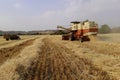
50, 58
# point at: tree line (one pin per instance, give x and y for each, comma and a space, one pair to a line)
107, 29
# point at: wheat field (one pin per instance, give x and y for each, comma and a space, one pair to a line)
48, 57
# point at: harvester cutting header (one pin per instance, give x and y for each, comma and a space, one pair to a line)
80, 30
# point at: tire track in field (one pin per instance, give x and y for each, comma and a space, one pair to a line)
55, 62
10, 52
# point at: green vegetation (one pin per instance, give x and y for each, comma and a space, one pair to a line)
0, 33
104, 29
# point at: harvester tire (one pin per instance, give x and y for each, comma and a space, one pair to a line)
81, 40
7, 39
71, 37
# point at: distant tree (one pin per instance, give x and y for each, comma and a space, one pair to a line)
104, 29
1, 33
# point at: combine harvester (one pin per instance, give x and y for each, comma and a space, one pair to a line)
80, 31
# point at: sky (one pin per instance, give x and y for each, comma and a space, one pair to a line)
24, 15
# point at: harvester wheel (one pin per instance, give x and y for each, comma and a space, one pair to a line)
71, 37
81, 40
7, 39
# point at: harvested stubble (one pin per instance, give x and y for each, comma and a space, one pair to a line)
10, 52
56, 62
